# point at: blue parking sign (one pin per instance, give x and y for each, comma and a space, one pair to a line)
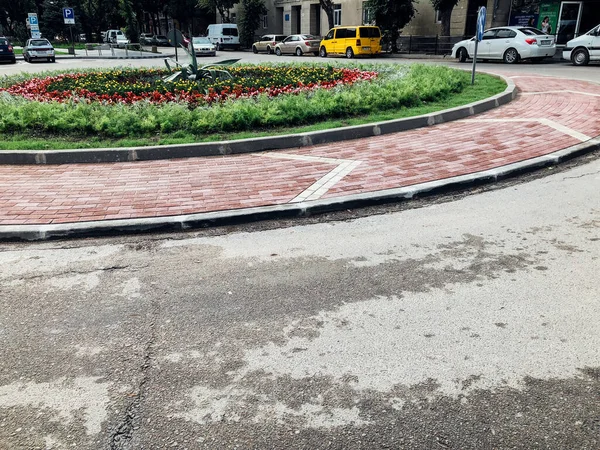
69, 16
480, 23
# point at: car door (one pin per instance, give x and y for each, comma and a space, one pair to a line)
289, 45
484, 47
328, 40
595, 44
339, 41
503, 40
261, 45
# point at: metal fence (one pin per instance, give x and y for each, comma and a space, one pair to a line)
427, 45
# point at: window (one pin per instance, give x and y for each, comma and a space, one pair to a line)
505, 34
337, 15
330, 34
350, 32
367, 19
265, 21
438, 16
369, 32
490, 34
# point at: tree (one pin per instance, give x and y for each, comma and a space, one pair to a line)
445, 8
222, 6
251, 15
391, 16
328, 6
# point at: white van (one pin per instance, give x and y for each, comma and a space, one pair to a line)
117, 38
584, 48
224, 35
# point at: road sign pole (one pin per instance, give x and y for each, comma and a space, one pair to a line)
474, 63
72, 41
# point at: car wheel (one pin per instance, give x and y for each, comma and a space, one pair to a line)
349, 53
323, 52
511, 56
462, 54
53, 59
278, 51
269, 50
14, 61
580, 57
254, 49
299, 52
217, 47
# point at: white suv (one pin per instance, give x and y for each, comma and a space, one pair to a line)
584, 48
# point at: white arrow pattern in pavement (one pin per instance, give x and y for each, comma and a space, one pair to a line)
547, 122
323, 184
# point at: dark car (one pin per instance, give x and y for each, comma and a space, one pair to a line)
161, 40
6, 51
146, 38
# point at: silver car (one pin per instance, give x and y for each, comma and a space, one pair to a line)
508, 44
299, 44
36, 49
203, 46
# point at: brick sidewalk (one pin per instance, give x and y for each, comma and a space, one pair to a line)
549, 114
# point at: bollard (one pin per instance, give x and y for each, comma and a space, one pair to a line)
154, 49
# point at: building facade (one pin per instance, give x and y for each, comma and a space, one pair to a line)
566, 18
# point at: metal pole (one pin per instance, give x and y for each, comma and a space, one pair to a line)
474, 62
72, 41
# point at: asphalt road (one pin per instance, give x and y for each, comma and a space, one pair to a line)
465, 323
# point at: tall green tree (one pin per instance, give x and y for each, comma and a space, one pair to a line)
250, 19
391, 16
445, 8
222, 7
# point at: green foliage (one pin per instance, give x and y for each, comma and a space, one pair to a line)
396, 88
222, 6
391, 16
250, 19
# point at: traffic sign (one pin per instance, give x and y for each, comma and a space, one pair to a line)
480, 23
69, 16
35, 34
33, 19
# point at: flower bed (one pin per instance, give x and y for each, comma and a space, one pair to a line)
135, 85
62, 104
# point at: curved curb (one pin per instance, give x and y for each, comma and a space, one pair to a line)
203, 220
254, 145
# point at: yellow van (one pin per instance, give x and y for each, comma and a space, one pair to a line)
351, 41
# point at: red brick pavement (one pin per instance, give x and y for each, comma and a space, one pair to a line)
88, 192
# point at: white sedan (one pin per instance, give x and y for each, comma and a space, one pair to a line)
203, 46
509, 44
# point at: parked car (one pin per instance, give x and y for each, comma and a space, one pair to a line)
508, 44
584, 48
224, 35
267, 43
298, 44
116, 37
203, 46
6, 51
351, 41
146, 38
160, 40
36, 49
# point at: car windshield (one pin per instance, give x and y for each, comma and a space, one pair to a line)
39, 42
3, 42
532, 32
307, 37
201, 40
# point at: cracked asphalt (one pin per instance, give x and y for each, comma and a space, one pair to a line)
464, 322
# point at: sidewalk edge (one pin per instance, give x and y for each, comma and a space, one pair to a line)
247, 215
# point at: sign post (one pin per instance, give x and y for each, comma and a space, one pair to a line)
478, 38
34, 25
69, 17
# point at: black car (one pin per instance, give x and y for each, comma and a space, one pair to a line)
161, 40
6, 51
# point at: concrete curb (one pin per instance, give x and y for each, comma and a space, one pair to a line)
254, 145
203, 220
67, 56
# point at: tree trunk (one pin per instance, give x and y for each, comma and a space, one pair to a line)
446, 15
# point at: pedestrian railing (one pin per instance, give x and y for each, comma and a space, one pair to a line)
109, 49
428, 45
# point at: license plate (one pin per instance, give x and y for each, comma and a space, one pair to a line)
546, 42
1, 49
366, 48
